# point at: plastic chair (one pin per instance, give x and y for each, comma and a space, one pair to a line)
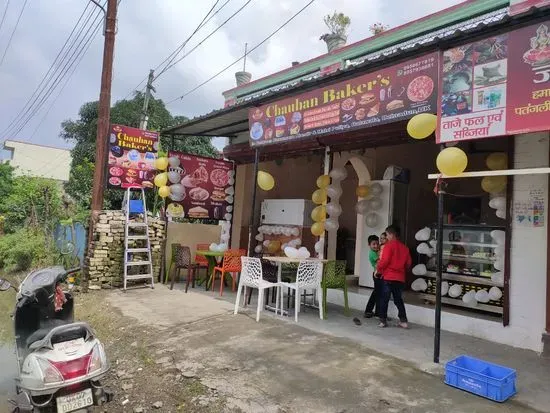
231, 265
201, 260
334, 276
183, 260
252, 276
309, 276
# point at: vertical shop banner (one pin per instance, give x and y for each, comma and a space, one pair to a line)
132, 154
496, 87
208, 188
388, 95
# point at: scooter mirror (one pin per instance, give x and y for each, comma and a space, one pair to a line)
4, 285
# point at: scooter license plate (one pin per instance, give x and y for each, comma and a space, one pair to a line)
75, 401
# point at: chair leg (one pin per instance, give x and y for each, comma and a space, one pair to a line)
260, 303
234, 278
296, 304
249, 295
238, 299
287, 299
172, 278
222, 278
276, 291
325, 289
267, 291
321, 303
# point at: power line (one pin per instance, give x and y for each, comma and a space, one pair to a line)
67, 63
4, 15
242, 57
180, 47
206, 38
47, 77
13, 31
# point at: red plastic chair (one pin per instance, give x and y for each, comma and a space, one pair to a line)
231, 265
200, 260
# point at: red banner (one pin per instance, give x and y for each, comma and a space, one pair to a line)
389, 95
477, 100
208, 188
132, 154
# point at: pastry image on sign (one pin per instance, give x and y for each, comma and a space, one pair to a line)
295, 129
394, 105
367, 98
218, 195
200, 174
198, 212
360, 113
374, 111
199, 194
420, 89
219, 177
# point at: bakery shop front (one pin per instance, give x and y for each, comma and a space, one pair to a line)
352, 125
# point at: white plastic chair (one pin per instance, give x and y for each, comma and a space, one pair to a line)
309, 276
251, 276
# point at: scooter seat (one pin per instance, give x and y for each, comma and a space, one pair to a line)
44, 330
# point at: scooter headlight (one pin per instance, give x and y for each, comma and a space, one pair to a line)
98, 359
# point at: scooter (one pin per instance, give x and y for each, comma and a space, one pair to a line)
60, 361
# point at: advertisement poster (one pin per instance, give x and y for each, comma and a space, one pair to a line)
529, 212
478, 101
473, 90
208, 188
132, 154
529, 93
389, 95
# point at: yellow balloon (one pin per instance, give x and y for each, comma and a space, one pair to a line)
493, 184
319, 196
421, 126
497, 160
318, 229
362, 191
164, 191
323, 181
273, 247
265, 181
452, 161
161, 179
161, 163
319, 214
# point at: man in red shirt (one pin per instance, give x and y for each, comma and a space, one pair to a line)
393, 265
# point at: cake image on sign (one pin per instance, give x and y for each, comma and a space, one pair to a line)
256, 131
199, 194
198, 212
395, 104
175, 210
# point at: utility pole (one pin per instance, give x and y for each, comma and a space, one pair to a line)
144, 115
103, 124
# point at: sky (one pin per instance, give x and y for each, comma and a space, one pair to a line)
149, 31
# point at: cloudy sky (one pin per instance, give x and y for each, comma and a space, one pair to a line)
148, 31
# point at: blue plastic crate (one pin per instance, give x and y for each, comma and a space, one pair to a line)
485, 379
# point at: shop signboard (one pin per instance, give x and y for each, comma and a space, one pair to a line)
477, 100
208, 188
132, 154
389, 95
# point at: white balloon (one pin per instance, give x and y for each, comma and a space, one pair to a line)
295, 232
499, 236
482, 296
229, 208
298, 241
499, 265
372, 219
266, 242
229, 199
231, 181
333, 209
423, 234
495, 294
174, 161
498, 278
230, 190
499, 251
498, 203
419, 269
419, 284
258, 249
291, 252
260, 237
455, 290
174, 177
231, 174
223, 247
303, 253
319, 246
470, 298
501, 213
334, 192
227, 217
331, 224
376, 189
433, 244
424, 249
212, 247
444, 288
362, 206
375, 204
338, 174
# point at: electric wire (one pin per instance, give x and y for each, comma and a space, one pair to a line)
4, 14
242, 57
13, 32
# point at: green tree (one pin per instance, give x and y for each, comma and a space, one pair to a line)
6, 180
82, 133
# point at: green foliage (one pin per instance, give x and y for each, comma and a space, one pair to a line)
6, 179
337, 23
24, 249
82, 132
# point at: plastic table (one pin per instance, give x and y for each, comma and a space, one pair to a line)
212, 257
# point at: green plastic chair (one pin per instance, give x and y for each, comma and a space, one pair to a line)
334, 276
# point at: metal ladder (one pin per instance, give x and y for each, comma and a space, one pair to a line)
134, 233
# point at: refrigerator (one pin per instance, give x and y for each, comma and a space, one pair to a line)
394, 211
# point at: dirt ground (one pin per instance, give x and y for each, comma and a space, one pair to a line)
173, 352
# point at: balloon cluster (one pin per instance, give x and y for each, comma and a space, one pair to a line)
299, 253
175, 191
319, 213
226, 232
274, 246
370, 202
218, 247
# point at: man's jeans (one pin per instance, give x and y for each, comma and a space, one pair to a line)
375, 297
395, 289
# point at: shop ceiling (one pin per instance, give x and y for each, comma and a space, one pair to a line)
232, 121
